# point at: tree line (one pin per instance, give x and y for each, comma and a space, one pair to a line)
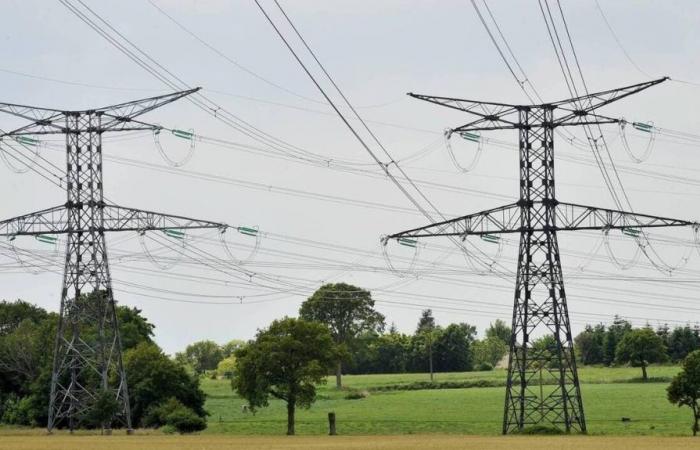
162, 392
338, 332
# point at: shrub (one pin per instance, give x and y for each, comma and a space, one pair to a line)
172, 414
541, 429
356, 395
16, 411
483, 367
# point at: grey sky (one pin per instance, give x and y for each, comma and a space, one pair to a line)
377, 51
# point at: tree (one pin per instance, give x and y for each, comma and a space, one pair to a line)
133, 327
613, 336
14, 313
426, 331
201, 356
286, 361
640, 347
682, 341
453, 348
229, 348
226, 367
685, 387
154, 379
488, 351
590, 344
347, 311
500, 330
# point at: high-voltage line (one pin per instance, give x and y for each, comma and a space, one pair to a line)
540, 306
87, 362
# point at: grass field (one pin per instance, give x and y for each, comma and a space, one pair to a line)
63, 442
608, 396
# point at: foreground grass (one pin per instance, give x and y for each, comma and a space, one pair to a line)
137, 442
608, 396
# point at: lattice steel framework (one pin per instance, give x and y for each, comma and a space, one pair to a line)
542, 384
88, 353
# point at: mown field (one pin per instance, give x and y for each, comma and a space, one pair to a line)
609, 394
416, 442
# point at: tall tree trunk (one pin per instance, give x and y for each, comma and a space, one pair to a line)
291, 405
338, 375
644, 371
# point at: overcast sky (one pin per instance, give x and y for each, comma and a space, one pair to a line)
323, 224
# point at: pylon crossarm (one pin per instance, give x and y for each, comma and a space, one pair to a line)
43, 120
47, 221
590, 102
487, 112
571, 216
119, 117
121, 123
138, 107
120, 218
504, 219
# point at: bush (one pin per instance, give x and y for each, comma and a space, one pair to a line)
356, 395
172, 414
16, 411
483, 367
184, 420
541, 430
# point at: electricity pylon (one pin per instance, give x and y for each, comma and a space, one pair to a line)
87, 362
542, 384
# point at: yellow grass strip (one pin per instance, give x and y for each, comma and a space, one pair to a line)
403, 442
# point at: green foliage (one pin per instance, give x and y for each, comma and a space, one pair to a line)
133, 327
540, 430
155, 378
14, 313
286, 361
614, 335
347, 311
489, 352
103, 410
227, 367
451, 348
484, 367
17, 411
499, 330
426, 323
684, 389
229, 348
639, 347
590, 345
201, 356
175, 416
682, 341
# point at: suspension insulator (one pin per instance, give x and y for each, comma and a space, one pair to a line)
176, 234
491, 238
248, 231
408, 242
45, 238
641, 126
474, 137
26, 140
632, 232
183, 134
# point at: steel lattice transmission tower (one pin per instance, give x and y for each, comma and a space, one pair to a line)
88, 355
542, 384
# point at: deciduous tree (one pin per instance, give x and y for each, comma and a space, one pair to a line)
640, 347
347, 311
286, 361
685, 387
